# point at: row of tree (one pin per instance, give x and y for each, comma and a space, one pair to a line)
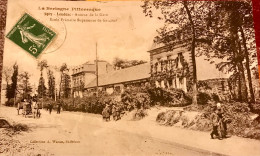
220, 30
51, 92
20, 82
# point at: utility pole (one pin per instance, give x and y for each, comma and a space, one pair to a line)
55, 93
42, 89
97, 69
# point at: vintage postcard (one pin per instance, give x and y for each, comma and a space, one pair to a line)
129, 78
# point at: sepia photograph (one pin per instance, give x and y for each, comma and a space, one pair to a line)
129, 78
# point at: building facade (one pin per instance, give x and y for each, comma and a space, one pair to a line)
86, 73
118, 80
170, 68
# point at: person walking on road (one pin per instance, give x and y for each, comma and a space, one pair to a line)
50, 108
58, 107
222, 121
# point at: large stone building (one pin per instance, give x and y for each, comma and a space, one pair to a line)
171, 67
86, 73
167, 69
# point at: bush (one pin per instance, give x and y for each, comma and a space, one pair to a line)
203, 98
89, 104
256, 107
10, 102
215, 97
132, 99
240, 115
160, 117
178, 118
172, 97
139, 114
20, 127
241, 122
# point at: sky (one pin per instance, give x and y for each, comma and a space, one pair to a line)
130, 37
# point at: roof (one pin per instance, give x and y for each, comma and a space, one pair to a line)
138, 72
87, 67
206, 70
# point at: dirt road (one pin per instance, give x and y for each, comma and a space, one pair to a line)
71, 133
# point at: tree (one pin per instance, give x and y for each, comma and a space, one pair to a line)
66, 88
119, 63
231, 25
7, 73
41, 88
63, 79
42, 65
246, 22
185, 15
25, 84
51, 84
11, 89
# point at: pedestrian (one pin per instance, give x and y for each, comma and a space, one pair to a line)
222, 121
24, 107
215, 122
50, 107
36, 111
58, 107
106, 113
34, 108
114, 113
118, 112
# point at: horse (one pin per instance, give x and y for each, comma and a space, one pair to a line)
19, 106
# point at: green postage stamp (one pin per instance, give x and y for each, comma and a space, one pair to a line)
31, 35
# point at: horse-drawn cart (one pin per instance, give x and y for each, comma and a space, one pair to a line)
26, 107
